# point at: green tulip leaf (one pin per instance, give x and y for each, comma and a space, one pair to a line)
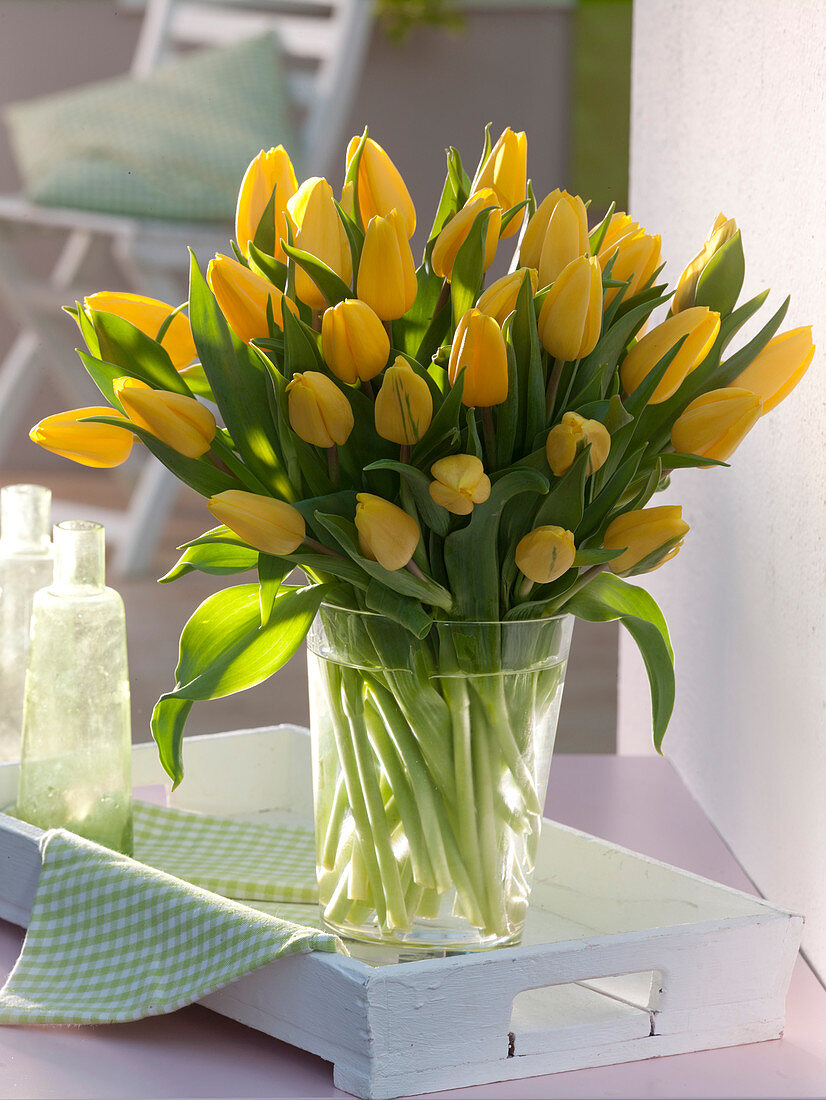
507, 414
217, 559
673, 461
124, 345
239, 383
103, 375
606, 598
331, 285
434, 516
565, 503
264, 240
598, 233
528, 352
721, 280
272, 572
274, 271
468, 272
352, 177
401, 609
595, 556
445, 423
224, 650
397, 580
197, 473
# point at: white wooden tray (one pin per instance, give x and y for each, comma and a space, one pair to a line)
624, 957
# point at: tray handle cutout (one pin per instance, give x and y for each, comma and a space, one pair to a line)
577, 1014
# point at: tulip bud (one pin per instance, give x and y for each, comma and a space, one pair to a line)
621, 225
699, 326
317, 229
499, 299
459, 482
479, 348
271, 170
775, 372
404, 407
387, 534
714, 424
268, 525
637, 257
380, 185
570, 436
354, 342
180, 422
98, 445
570, 320
319, 412
387, 272
456, 231
685, 296
534, 236
505, 171
566, 237
545, 553
242, 296
148, 314
650, 537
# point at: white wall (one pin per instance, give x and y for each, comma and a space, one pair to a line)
729, 113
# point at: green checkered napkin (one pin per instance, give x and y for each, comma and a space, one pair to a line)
112, 939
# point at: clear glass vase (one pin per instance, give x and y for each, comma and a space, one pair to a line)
75, 768
26, 564
430, 767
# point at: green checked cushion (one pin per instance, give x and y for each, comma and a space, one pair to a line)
173, 145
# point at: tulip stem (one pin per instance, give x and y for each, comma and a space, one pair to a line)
333, 468
441, 301
579, 584
524, 587
389, 326
489, 432
367, 389
320, 548
553, 386
414, 569
404, 453
317, 314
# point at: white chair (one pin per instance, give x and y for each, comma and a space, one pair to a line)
323, 45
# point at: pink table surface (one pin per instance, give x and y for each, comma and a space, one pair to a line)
638, 802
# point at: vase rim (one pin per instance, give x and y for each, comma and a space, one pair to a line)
325, 605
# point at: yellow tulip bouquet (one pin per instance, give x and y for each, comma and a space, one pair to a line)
446, 462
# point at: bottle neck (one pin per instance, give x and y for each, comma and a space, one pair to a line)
79, 557
25, 519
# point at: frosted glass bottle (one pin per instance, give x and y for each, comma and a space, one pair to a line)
75, 769
26, 564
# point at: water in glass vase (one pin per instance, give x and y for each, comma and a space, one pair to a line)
26, 565
75, 770
430, 765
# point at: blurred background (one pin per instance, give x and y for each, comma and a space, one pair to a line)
110, 105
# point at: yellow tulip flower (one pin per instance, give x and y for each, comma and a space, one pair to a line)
499, 299
354, 342
148, 314
570, 320
380, 185
98, 445
723, 230
317, 229
387, 534
775, 372
404, 407
180, 422
505, 171
268, 525
545, 553
459, 483
566, 238
715, 423
271, 170
700, 327
479, 348
455, 232
387, 272
319, 412
637, 258
242, 296
649, 536
569, 436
